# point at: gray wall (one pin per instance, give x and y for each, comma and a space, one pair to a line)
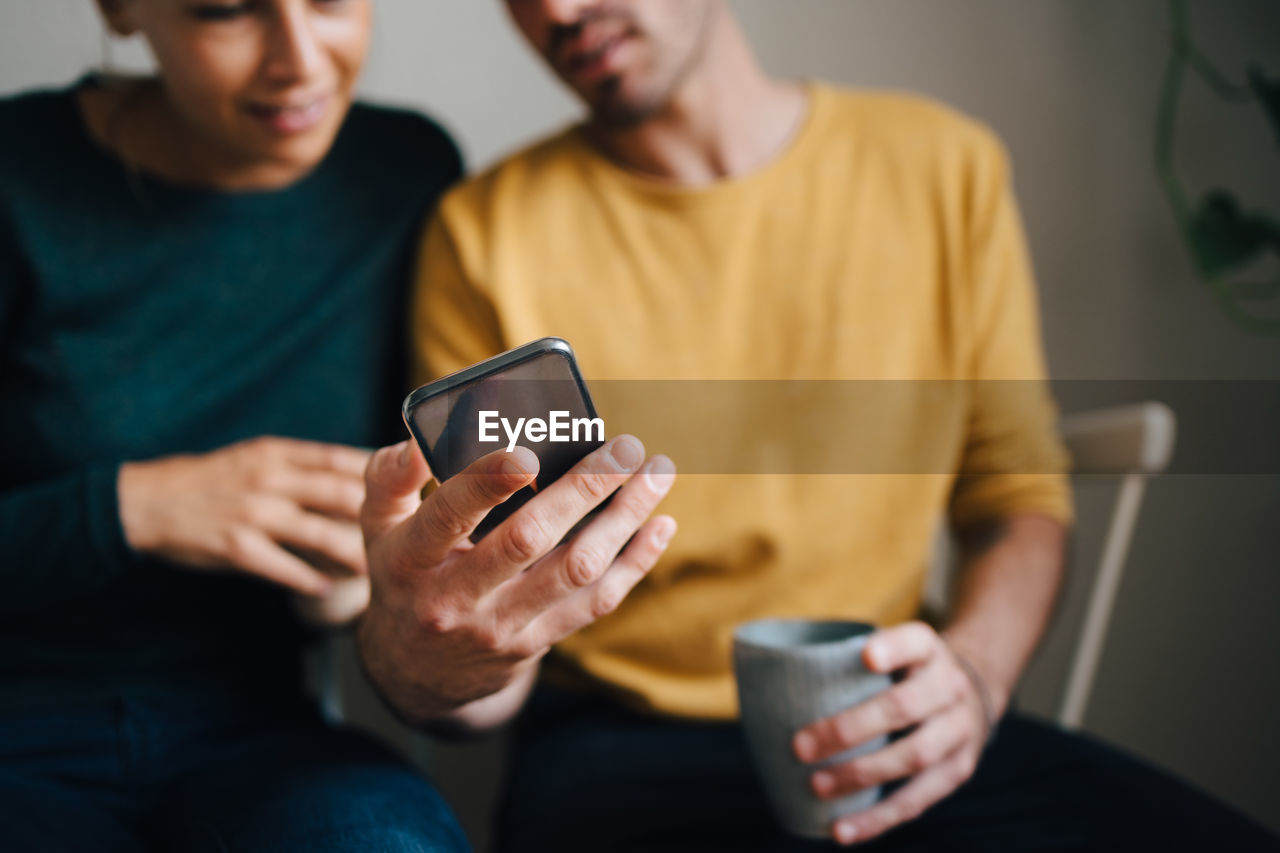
1191, 674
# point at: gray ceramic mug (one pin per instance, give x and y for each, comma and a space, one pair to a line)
792, 673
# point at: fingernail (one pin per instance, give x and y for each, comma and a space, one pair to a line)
875, 656
512, 468
805, 746
660, 474
626, 452
521, 462
663, 535
402, 458
823, 783
846, 832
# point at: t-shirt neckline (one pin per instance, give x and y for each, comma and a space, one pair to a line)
795, 150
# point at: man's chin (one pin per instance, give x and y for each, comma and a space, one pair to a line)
613, 109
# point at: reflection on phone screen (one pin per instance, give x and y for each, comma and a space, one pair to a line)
448, 424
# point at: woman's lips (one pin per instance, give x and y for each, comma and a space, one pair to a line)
291, 118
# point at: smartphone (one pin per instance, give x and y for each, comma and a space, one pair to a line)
532, 396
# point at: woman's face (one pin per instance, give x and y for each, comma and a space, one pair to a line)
261, 85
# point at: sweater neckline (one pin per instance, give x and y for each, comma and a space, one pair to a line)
148, 187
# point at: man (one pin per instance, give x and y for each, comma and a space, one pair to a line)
710, 223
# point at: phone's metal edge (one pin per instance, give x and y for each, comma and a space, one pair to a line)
502, 361
493, 364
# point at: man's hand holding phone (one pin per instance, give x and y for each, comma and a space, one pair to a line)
455, 629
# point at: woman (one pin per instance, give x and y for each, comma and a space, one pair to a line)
200, 277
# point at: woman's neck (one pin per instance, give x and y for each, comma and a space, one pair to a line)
134, 120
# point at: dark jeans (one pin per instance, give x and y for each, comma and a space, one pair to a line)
156, 775
587, 776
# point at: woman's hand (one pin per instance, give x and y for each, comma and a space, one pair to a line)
283, 510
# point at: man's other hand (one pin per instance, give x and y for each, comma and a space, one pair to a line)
944, 702
453, 623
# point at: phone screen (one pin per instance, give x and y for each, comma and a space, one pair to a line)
538, 402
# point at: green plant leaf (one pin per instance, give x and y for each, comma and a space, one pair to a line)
1268, 94
1223, 238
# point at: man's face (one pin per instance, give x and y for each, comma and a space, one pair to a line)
625, 58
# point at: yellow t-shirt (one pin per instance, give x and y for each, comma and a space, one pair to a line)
867, 294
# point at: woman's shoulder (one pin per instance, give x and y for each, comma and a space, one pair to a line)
37, 100
39, 136
401, 137
36, 115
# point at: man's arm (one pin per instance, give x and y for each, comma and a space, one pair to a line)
957, 683
485, 715
1009, 579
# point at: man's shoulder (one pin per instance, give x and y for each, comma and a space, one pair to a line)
537, 173
910, 127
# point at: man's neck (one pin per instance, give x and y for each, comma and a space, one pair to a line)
726, 120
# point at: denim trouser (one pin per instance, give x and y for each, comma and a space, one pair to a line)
588, 776
169, 775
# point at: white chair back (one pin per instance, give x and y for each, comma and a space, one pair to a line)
1132, 442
